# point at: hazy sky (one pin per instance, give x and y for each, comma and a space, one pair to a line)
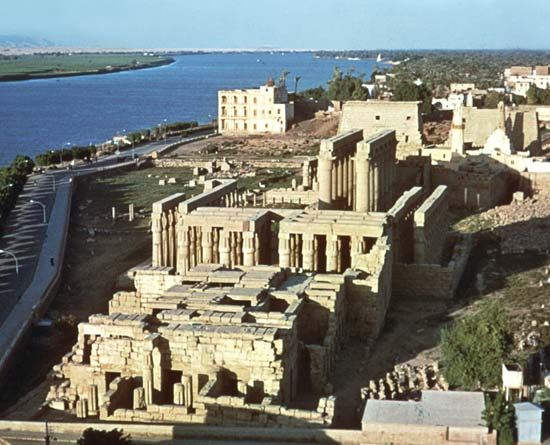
285, 23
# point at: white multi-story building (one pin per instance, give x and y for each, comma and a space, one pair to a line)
518, 79
263, 110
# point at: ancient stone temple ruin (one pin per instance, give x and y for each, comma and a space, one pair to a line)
240, 314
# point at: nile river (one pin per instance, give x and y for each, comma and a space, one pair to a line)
37, 115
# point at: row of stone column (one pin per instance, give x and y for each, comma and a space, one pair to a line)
209, 245
374, 177
302, 251
336, 180
163, 227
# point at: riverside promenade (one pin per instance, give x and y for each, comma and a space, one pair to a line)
40, 248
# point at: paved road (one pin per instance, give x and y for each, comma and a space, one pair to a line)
39, 247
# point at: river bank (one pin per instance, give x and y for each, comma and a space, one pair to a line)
21, 68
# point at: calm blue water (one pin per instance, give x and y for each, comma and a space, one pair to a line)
42, 114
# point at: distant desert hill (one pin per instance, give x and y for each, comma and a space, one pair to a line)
18, 41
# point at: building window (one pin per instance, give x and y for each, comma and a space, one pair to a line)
223, 124
223, 111
265, 125
245, 126
234, 111
245, 99
224, 99
269, 112
408, 118
279, 111
377, 117
245, 112
255, 112
235, 99
255, 127
255, 100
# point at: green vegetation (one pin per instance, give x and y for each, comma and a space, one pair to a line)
442, 67
346, 86
492, 99
538, 96
66, 155
12, 180
138, 187
101, 437
409, 91
475, 347
25, 67
342, 86
499, 415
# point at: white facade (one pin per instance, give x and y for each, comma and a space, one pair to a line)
254, 111
518, 79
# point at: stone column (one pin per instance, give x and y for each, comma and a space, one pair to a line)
324, 173
156, 228
225, 248
307, 251
215, 246
92, 398
361, 184
157, 370
256, 249
332, 253
341, 178
345, 190
183, 247
138, 398
148, 378
305, 174
179, 394
284, 249
171, 238
351, 186
292, 250
334, 181
164, 224
356, 249
82, 408
249, 250
192, 248
198, 244
187, 382
207, 245
375, 189
371, 187
315, 253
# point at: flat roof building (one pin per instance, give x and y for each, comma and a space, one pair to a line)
254, 111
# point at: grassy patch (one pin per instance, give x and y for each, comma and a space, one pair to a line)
65, 64
140, 187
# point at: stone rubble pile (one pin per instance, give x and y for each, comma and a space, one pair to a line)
405, 382
522, 225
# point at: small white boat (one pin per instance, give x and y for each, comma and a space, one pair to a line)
379, 58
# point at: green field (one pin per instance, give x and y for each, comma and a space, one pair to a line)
40, 66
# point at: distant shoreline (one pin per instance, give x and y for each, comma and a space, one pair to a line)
33, 76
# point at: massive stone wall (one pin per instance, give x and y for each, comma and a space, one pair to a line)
431, 227
522, 127
373, 116
474, 190
433, 280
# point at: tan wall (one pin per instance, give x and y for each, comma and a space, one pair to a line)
373, 116
432, 280
473, 190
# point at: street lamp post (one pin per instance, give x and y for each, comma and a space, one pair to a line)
14, 257
32, 201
